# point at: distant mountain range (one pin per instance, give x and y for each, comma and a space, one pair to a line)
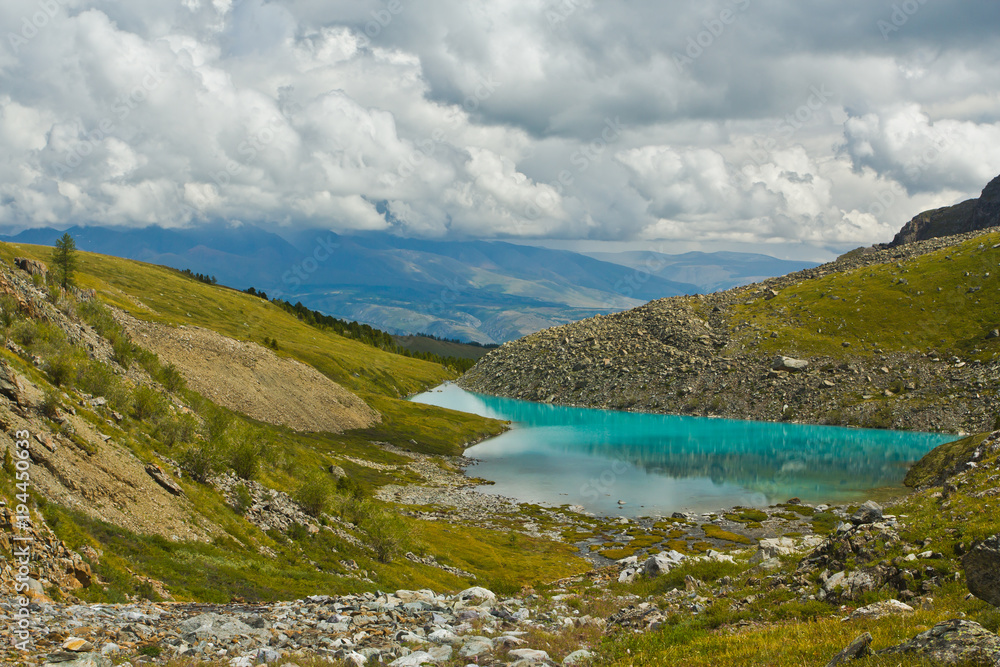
710, 271
484, 291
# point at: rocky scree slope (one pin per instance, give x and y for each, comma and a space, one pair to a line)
719, 354
248, 378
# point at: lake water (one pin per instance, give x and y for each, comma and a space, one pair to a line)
659, 464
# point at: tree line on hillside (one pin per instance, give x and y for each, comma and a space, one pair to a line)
472, 343
360, 332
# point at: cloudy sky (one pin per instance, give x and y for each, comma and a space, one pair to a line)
801, 126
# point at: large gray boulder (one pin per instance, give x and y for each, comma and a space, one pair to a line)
870, 512
955, 642
982, 570
789, 364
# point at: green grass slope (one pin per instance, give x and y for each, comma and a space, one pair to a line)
243, 561
164, 295
945, 301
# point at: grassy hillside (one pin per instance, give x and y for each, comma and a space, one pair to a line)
164, 295
164, 423
444, 348
945, 301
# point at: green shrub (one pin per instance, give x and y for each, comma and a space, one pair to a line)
199, 461
314, 495
244, 459
352, 509
173, 430
98, 316
123, 352
242, 500
148, 404
217, 421
61, 368
50, 405
42, 338
98, 379
298, 532
387, 534
350, 487
8, 462
171, 378
9, 311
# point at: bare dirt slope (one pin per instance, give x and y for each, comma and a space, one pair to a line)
253, 380
109, 483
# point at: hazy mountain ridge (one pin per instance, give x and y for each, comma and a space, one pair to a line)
485, 291
710, 271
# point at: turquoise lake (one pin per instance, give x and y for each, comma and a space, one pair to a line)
659, 464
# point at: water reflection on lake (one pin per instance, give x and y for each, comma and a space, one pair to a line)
658, 464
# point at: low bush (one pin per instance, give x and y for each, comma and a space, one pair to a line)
314, 495
242, 500
61, 368
148, 404
200, 460
173, 430
50, 405
171, 378
387, 534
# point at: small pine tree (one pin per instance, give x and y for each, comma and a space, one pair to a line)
64, 259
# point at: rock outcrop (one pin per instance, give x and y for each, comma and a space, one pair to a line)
955, 642
982, 570
967, 216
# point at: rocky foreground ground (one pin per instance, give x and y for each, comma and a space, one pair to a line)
868, 554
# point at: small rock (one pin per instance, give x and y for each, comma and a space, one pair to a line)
870, 512
77, 645
880, 609
529, 654
789, 364
859, 648
580, 657
478, 594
